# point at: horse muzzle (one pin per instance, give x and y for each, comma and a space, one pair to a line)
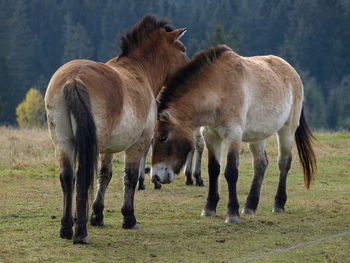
162, 174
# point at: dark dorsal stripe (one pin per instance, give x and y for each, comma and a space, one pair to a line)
140, 31
183, 77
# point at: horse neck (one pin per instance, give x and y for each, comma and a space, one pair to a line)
152, 71
195, 110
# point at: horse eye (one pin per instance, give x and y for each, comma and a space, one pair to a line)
162, 138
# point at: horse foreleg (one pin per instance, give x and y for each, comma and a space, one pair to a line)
213, 143
67, 183
260, 163
231, 175
103, 179
188, 169
142, 172
199, 153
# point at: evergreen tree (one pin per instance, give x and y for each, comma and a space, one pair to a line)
77, 43
219, 37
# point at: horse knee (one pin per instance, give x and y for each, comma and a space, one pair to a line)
66, 176
284, 163
105, 174
261, 164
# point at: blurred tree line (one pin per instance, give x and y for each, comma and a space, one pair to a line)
36, 37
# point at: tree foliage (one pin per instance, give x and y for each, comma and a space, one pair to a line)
37, 36
31, 112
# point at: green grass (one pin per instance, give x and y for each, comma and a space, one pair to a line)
172, 229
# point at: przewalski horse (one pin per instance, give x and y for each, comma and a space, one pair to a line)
107, 108
237, 99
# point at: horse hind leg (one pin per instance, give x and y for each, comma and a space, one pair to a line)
62, 139
67, 184
285, 142
260, 163
103, 179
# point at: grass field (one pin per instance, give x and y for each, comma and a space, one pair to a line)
172, 229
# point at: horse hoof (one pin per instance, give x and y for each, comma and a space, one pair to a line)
232, 220
189, 182
199, 183
141, 187
248, 211
157, 186
96, 220
207, 212
134, 227
278, 210
81, 240
66, 233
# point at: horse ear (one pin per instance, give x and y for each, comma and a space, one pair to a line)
163, 116
176, 34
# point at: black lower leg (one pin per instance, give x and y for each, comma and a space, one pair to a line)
142, 171
281, 195
255, 189
231, 175
66, 178
188, 169
141, 182
104, 178
214, 171
130, 180
197, 169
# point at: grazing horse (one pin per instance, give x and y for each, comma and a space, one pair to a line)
108, 108
199, 147
236, 99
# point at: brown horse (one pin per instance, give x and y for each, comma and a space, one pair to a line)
107, 108
236, 99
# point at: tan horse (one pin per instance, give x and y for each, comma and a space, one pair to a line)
107, 108
236, 99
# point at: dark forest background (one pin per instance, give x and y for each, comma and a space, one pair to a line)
38, 36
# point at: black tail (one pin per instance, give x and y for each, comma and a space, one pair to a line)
304, 140
85, 148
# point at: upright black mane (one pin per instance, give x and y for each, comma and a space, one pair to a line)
178, 84
140, 31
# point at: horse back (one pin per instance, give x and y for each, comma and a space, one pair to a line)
103, 85
266, 93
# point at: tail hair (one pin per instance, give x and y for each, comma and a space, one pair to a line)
85, 140
304, 140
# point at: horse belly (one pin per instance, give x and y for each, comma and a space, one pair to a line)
262, 123
125, 134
